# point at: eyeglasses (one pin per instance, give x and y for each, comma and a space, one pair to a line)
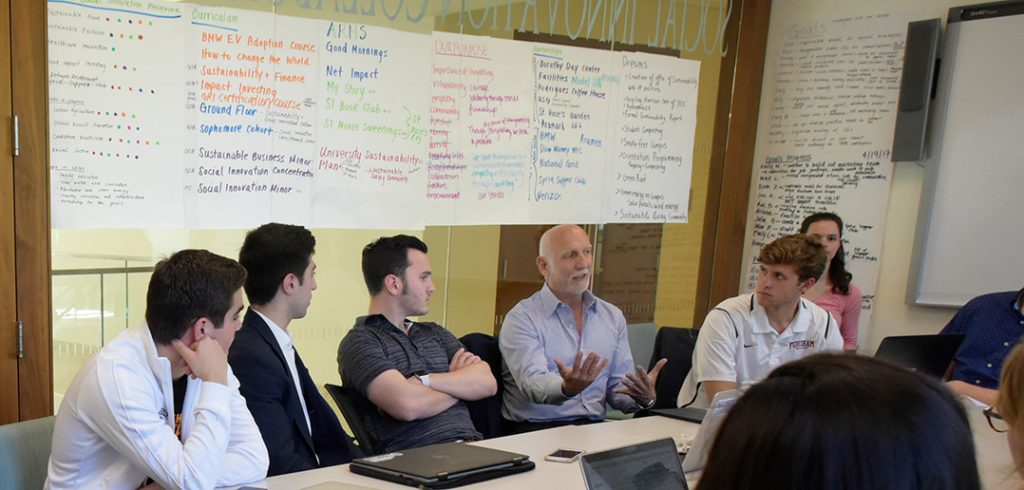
995, 421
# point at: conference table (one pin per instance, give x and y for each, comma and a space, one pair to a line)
994, 461
547, 474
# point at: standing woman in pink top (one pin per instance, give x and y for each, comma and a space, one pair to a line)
834, 292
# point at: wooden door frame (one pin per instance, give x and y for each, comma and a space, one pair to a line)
8, 296
30, 89
725, 217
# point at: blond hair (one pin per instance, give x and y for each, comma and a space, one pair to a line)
1010, 403
801, 251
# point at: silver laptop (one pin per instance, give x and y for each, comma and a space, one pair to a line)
650, 465
697, 456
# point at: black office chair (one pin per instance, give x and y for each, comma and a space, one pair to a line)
675, 344
486, 413
349, 402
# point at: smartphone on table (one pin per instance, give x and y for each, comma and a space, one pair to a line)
563, 455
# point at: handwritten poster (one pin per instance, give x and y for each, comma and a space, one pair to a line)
574, 92
656, 116
481, 127
294, 63
371, 163
826, 146
115, 119
249, 120
175, 115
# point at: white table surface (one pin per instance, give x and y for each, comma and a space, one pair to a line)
547, 475
994, 461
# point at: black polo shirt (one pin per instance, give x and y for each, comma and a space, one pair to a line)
374, 346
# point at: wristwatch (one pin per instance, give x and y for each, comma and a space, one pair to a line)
425, 379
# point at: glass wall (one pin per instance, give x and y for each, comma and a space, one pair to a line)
649, 270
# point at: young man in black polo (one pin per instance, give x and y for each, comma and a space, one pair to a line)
416, 374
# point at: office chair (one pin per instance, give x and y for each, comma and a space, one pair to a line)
675, 344
486, 413
347, 400
641, 341
25, 453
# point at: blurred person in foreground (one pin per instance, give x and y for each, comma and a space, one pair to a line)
833, 421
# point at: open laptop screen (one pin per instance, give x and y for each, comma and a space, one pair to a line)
928, 354
649, 466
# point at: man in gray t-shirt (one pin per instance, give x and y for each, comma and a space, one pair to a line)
416, 374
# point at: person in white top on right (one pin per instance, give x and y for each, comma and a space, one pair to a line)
744, 338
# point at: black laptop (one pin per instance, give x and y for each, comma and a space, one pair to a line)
651, 465
689, 414
442, 465
928, 354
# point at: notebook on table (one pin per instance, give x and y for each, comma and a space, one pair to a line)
928, 354
650, 465
442, 465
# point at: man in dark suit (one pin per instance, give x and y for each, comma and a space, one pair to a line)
299, 428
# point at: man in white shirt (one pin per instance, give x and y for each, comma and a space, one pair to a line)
299, 428
159, 404
744, 338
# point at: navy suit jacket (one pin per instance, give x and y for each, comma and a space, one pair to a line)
266, 384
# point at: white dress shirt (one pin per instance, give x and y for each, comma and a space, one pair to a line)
115, 427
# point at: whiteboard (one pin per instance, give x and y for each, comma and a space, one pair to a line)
969, 233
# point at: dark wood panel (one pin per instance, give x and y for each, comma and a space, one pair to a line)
722, 251
518, 276
628, 276
32, 206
